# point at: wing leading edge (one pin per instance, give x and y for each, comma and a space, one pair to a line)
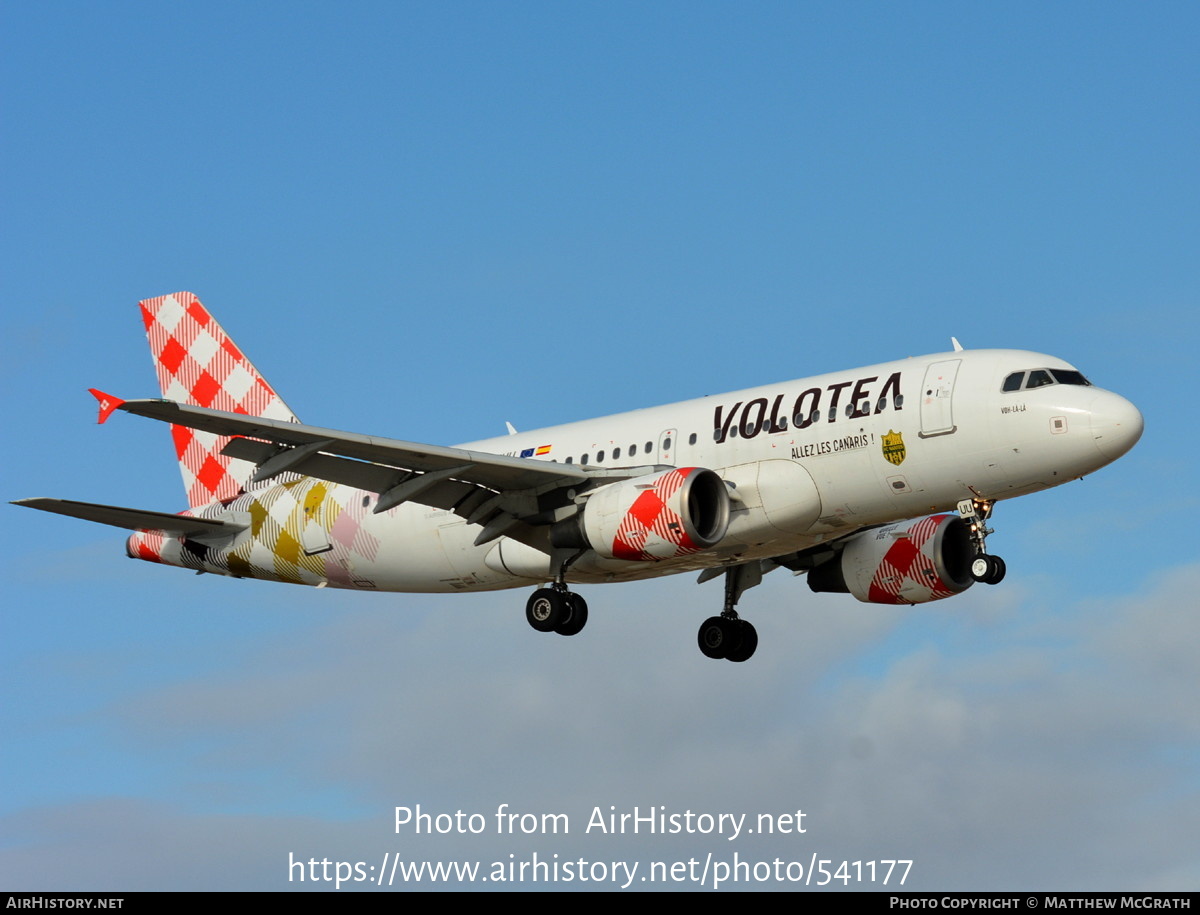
506, 495
495, 471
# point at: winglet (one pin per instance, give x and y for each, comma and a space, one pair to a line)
108, 403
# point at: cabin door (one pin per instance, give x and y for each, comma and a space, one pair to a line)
937, 398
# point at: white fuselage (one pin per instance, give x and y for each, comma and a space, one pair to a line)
808, 461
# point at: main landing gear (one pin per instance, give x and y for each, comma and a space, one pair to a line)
984, 567
555, 609
728, 636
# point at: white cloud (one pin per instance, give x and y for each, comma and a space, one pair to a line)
995, 747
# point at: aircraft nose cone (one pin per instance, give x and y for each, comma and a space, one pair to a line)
1116, 424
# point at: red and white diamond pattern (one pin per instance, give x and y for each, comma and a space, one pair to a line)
651, 530
907, 560
198, 364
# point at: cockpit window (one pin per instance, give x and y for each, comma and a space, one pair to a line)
1013, 381
1069, 376
1039, 378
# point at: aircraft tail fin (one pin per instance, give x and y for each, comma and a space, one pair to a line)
198, 364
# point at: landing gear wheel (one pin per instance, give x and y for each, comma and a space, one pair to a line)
546, 609
748, 642
998, 570
988, 569
718, 636
980, 567
577, 615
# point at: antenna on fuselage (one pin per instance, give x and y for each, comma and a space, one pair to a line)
958, 347
512, 430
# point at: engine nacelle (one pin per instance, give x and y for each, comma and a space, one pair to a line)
651, 518
909, 562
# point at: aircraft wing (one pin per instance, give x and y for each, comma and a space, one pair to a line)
507, 495
495, 471
135, 519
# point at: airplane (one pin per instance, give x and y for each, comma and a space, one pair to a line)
877, 482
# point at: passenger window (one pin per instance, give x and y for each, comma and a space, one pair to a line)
616, 454
649, 447
815, 416
692, 439
599, 457
899, 401
1038, 378
1013, 381
570, 460
880, 404
584, 459
632, 450
667, 444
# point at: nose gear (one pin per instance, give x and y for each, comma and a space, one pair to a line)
984, 567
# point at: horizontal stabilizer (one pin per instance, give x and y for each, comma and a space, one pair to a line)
134, 519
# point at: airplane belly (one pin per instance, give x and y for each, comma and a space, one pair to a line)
429, 550
309, 532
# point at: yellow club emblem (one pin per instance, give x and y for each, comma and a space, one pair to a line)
893, 447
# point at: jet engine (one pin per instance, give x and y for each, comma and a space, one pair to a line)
650, 518
909, 562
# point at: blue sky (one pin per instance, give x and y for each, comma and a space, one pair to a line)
423, 220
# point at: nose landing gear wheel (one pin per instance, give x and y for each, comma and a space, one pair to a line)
984, 567
988, 569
